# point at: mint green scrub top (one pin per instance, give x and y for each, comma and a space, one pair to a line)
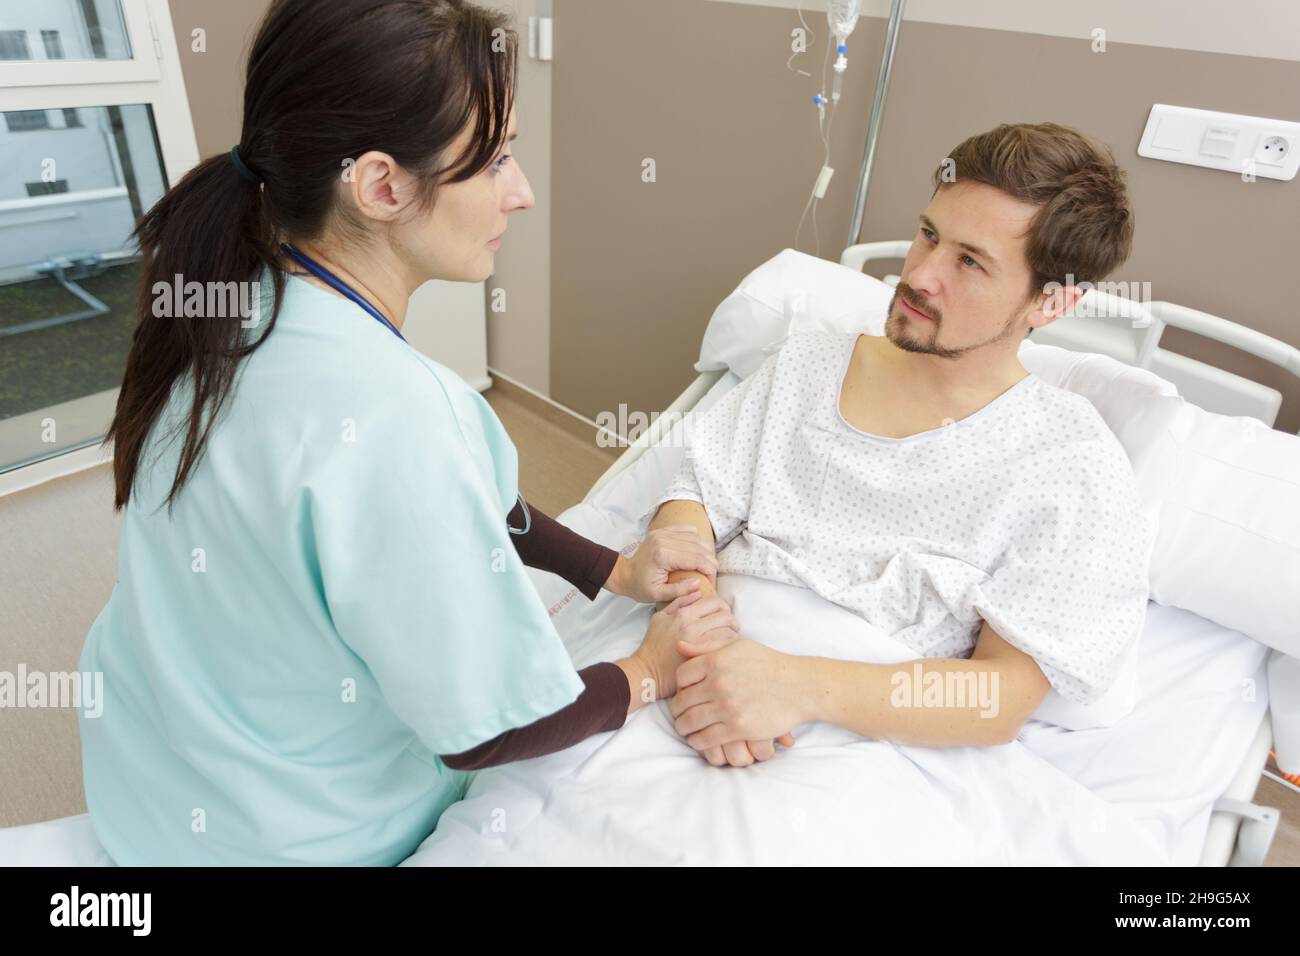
333, 601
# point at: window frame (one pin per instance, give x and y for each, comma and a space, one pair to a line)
154, 78
144, 32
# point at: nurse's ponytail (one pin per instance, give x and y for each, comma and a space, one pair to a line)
327, 81
209, 227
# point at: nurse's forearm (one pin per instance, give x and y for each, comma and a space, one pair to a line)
610, 692
684, 511
551, 546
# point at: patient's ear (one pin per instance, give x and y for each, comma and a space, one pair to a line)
1070, 296
1055, 301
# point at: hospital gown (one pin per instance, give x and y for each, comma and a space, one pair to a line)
1024, 514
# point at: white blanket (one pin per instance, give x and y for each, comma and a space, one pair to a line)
641, 795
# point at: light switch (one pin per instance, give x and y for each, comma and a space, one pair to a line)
1169, 134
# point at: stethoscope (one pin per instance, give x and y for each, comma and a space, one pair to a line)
334, 282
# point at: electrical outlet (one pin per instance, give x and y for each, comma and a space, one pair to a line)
1251, 147
1274, 149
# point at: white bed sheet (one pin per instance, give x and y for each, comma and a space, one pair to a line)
1140, 792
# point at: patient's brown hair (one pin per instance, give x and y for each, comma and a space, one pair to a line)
1084, 226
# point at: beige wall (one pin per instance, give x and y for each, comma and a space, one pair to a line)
214, 79
1269, 28
702, 87
519, 336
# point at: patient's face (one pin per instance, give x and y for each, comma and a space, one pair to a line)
973, 298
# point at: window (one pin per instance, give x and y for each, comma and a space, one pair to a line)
13, 45
47, 189
89, 29
20, 121
53, 45
89, 142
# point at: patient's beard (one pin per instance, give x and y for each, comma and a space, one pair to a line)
910, 336
908, 333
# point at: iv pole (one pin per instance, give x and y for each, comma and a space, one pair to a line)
877, 114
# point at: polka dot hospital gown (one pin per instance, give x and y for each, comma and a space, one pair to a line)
1024, 514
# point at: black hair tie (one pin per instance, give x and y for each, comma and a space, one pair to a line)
243, 169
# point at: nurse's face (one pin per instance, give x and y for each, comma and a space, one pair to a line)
966, 279
457, 240
462, 234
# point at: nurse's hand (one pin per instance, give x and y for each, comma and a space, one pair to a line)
689, 618
644, 576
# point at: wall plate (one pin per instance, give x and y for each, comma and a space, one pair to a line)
1267, 148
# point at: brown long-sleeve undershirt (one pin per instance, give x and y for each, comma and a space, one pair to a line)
604, 701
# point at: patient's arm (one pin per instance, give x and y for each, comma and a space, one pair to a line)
875, 701
692, 513
763, 689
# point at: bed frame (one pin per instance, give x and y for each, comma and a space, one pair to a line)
1239, 831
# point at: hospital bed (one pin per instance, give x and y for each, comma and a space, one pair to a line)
1227, 830
1239, 832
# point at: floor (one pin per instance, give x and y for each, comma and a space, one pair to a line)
1286, 845
559, 459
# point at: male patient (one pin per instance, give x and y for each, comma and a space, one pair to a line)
925, 480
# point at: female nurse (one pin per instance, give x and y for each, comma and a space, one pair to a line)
322, 621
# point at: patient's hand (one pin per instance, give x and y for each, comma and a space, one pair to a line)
716, 701
732, 693
736, 753
742, 753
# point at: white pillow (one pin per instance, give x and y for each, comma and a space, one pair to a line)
1225, 492
792, 289
1228, 548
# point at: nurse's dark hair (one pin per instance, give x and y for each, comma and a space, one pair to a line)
1084, 224
327, 80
